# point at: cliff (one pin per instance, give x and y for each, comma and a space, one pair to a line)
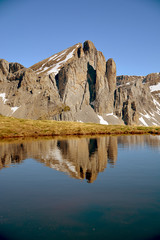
78, 84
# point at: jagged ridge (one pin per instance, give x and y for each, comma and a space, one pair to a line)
78, 84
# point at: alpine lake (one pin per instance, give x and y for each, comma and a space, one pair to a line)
80, 188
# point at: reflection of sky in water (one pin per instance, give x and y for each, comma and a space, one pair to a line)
123, 202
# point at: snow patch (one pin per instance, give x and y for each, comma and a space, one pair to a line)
152, 114
146, 115
14, 109
59, 62
154, 88
56, 67
149, 117
3, 96
44, 69
102, 121
53, 57
143, 122
111, 114
155, 124
4, 99
156, 102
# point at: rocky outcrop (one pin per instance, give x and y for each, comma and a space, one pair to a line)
23, 94
72, 85
78, 84
83, 80
85, 85
134, 101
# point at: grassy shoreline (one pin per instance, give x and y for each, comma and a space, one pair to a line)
15, 128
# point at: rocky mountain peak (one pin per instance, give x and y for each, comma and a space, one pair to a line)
78, 84
88, 46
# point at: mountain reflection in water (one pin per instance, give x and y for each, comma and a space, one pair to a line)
81, 158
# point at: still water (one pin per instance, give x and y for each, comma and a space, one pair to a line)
80, 188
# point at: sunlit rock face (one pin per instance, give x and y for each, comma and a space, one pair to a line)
25, 95
137, 99
78, 84
82, 158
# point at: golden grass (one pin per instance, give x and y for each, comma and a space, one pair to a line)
13, 128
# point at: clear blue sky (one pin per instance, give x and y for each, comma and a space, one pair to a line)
126, 30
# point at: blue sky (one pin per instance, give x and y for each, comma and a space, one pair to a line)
126, 30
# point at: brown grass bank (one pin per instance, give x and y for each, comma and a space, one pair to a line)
13, 128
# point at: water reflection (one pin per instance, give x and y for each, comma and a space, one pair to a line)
81, 158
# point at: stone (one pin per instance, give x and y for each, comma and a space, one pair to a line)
111, 74
78, 84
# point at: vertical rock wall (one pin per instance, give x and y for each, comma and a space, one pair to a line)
87, 80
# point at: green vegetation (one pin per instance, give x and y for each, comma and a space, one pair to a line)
12, 127
66, 108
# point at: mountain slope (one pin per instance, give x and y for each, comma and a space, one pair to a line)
140, 99
78, 84
54, 63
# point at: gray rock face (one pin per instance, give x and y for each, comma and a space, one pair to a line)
111, 74
25, 95
83, 81
78, 84
134, 102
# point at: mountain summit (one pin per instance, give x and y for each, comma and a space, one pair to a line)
78, 84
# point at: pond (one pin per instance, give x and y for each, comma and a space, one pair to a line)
80, 188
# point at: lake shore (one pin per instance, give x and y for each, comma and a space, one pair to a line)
14, 128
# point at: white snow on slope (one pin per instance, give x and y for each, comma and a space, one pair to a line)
3, 96
4, 99
14, 109
155, 124
53, 57
143, 122
152, 114
102, 121
154, 88
146, 115
40, 69
56, 66
111, 114
156, 102
149, 117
